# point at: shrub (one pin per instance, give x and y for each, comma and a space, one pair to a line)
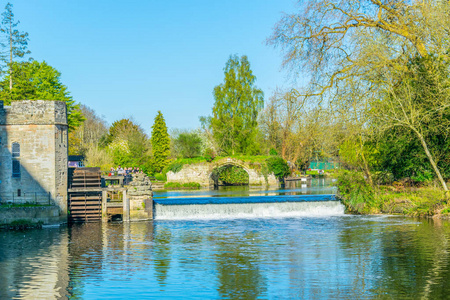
160, 177
181, 186
278, 166
356, 194
175, 167
209, 154
232, 175
188, 144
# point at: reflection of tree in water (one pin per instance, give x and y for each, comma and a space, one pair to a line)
85, 249
162, 253
238, 267
405, 259
416, 261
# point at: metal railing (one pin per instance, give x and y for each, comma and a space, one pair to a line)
23, 198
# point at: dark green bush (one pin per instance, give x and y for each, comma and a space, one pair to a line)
356, 194
278, 166
233, 175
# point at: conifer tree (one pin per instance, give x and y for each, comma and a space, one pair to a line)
160, 143
17, 41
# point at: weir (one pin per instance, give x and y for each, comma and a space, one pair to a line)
248, 207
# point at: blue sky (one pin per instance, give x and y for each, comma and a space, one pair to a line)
133, 58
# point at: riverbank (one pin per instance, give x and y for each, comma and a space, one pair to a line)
417, 201
23, 217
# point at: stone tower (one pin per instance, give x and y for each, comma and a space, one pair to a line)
33, 152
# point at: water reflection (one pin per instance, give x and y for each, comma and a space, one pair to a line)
311, 187
312, 258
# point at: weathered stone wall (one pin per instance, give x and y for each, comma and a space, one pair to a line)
48, 215
191, 173
40, 128
140, 194
201, 173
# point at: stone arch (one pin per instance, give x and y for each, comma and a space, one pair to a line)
226, 162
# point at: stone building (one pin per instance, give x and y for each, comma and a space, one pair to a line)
33, 152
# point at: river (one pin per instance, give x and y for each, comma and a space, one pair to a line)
320, 256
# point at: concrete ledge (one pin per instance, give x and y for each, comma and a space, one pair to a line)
48, 215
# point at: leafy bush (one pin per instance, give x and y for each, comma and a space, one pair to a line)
188, 144
423, 177
273, 152
278, 166
175, 167
161, 176
383, 177
232, 175
356, 194
209, 154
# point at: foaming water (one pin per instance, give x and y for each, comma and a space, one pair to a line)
248, 210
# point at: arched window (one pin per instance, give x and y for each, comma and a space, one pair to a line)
15, 153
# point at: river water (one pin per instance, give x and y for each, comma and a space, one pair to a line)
267, 256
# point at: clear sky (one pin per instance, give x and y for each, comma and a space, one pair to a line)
135, 57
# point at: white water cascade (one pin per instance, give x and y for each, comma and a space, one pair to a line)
248, 210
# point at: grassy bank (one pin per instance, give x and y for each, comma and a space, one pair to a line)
182, 186
361, 198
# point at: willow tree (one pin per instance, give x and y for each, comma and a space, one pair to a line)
236, 107
345, 48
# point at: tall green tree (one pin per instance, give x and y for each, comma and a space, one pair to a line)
236, 107
127, 143
17, 41
39, 81
187, 144
160, 143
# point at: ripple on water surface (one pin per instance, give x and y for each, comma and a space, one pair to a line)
328, 257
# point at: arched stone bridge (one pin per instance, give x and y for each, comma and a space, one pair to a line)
202, 172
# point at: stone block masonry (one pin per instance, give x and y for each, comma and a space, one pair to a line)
140, 196
33, 150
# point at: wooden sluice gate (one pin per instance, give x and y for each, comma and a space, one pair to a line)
85, 197
115, 203
90, 200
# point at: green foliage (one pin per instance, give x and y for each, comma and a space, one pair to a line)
423, 177
188, 144
401, 154
209, 154
175, 167
39, 81
160, 143
236, 107
160, 177
278, 166
232, 175
273, 152
357, 195
128, 145
17, 41
182, 186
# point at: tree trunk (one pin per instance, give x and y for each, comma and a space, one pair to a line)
10, 55
366, 165
430, 158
